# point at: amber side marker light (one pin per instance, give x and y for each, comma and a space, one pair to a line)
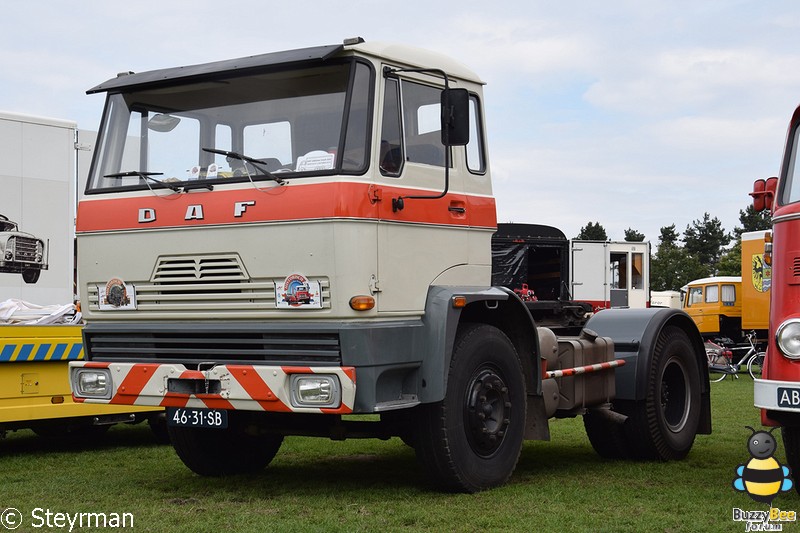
459, 301
362, 303
768, 248
57, 400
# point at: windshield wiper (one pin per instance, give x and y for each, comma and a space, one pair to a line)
145, 176
259, 165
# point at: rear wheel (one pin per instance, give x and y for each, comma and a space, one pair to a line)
606, 436
663, 425
754, 365
716, 375
471, 440
240, 448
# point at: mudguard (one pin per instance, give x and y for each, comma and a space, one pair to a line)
497, 306
634, 332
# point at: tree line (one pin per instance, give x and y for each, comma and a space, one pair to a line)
704, 249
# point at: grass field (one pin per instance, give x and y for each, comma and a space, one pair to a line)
370, 485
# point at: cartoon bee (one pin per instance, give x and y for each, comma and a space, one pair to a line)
763, 477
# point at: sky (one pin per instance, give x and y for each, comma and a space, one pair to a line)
628, 113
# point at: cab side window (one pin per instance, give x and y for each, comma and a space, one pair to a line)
422, 121
695, 296
712, 294
728, 295
476, 162
391, 149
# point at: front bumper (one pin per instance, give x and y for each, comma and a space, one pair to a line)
234, 387
777, 395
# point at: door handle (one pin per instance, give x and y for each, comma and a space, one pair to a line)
456, 208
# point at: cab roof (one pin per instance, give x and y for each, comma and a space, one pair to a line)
400, 55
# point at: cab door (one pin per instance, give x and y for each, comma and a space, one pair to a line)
419, 239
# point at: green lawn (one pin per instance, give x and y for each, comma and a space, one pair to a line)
370, 485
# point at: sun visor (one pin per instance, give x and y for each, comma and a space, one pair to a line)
179, 74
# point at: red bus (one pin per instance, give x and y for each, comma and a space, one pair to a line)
777, 393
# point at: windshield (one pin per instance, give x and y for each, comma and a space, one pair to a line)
7, 225
302, 122
790, 192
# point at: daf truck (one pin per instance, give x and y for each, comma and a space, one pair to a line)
361, 171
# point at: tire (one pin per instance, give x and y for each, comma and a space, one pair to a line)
238, 449
606, 437
31, 275
663, 426
791, 445
471, 440
716, 376
754, 365
158, 427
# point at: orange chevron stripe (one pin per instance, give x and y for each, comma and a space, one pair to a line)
134, 383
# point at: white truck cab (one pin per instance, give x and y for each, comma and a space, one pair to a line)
358, 170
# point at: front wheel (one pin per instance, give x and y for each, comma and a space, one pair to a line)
755, 364
31, 275
791, 444
240, 448
472, 439
663, 426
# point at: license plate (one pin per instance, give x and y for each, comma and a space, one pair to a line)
788, 397
192, 417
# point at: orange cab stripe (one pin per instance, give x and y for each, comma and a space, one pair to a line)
290, 202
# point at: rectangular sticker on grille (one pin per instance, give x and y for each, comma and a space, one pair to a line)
116, 295
297, 291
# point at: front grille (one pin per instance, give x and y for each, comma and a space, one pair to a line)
212, 343
796, 267
205, 269
24, 249
205, 285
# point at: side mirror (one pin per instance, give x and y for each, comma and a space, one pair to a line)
758, 195
764, 194
455, 117
769, 197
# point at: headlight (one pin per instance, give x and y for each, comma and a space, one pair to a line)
788, 338
311, 390
9, 255
92, 383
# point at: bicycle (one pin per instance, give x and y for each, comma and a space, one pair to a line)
720, 360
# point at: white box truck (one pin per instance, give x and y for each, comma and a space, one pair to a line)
610, 273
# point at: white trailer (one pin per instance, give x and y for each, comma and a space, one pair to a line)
610, 273
38, 200
671, 299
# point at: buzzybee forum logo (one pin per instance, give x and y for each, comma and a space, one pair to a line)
762, 477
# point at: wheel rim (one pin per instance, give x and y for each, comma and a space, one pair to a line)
487, 411
675, 398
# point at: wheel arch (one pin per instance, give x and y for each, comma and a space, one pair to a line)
635, 333
496, 306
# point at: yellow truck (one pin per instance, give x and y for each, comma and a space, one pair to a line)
756, 284
715, 305
34, 385
37, 265
727, 306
